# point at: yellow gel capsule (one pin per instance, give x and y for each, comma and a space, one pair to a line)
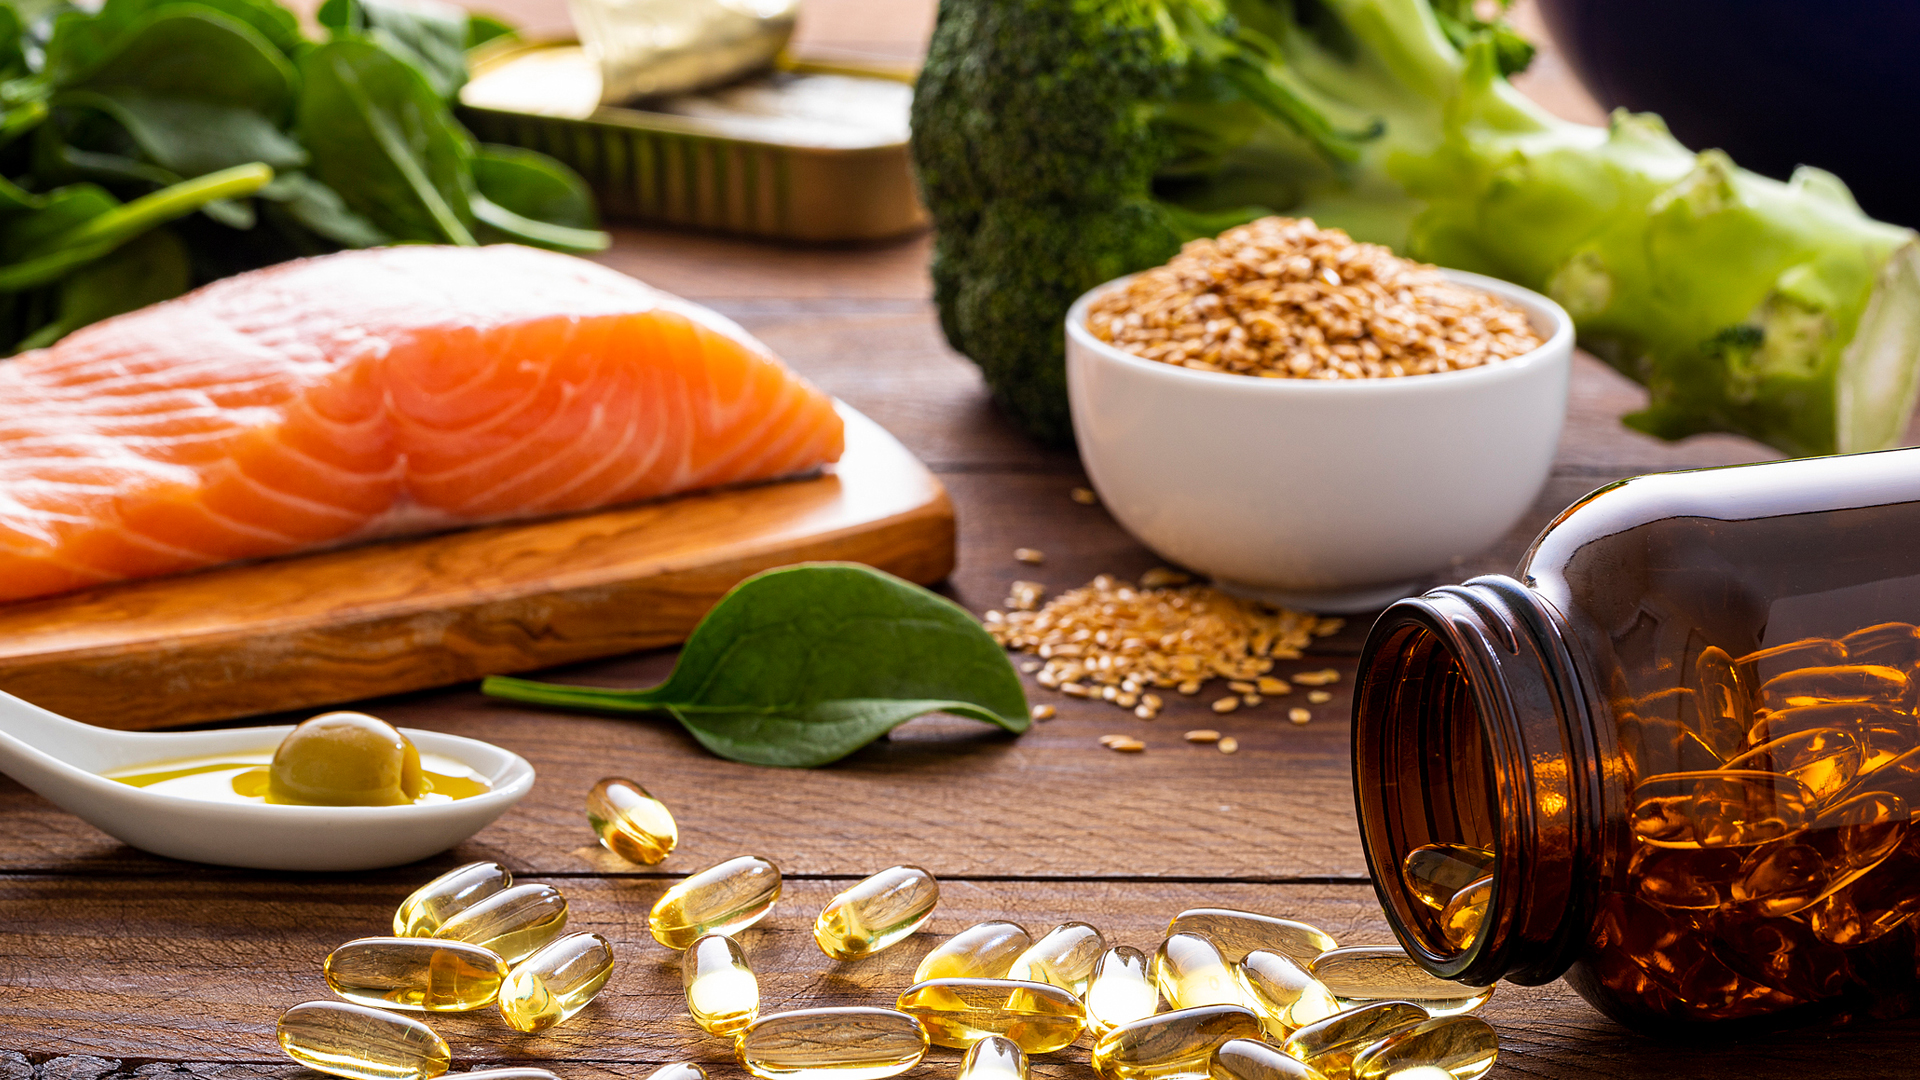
679, 1070
415, 973
1039, 1018
345, 759
831, 1044
1460, 920
1363, 974
994, 1058
982, 951
1190, 973
1435, 873
722, 899
361, 1043
1420, 1072
432, 904
509, 1072
1181, 1042
631, 823
1282, 992
1121, 992
515, 923
1330, 1044
722, 993
556, 982
1064, 958
1251, 1059
1463, 1046
876, 913
1237, 933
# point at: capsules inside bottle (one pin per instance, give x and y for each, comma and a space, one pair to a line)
361, 1043
415, 973
982, 951
631, 823
1038, 1017
876, 913
722, 899
431, 905
831, 1044
515, 923
723, 995
553, 984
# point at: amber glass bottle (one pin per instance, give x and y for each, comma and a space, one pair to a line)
1675, 758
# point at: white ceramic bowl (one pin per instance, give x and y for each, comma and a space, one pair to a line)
1333, 496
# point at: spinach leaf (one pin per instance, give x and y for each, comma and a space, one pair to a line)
271, 21
803, 665
429, 35
146, 270
320, 208
484, 28
81, 223
382, 138
190, 137
527, 197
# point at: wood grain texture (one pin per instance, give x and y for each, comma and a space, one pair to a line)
405, 614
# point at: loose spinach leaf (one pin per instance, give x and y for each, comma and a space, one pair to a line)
271, 21
804, 665
527, 197
429, 35
191, 137
320, 208
382, 139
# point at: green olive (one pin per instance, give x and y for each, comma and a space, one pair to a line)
345, 759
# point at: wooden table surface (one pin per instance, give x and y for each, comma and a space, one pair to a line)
114, 963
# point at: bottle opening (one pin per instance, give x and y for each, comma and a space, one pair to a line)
1432, 837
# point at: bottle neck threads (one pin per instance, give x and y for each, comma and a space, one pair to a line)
1473, 728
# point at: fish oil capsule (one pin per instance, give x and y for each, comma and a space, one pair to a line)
1282, 992
722, 993
516, 923
679, 1070
509, 1072
415, 973
982, 951
1237, 933
994, 1058
1251, 1059
1179, 1042
1331, 1044
876, 913
1461, 919
1463, 1046
1064, 957
1435, 873
361, 1043
831, 1044
1420, 1072
1040, 1018
432, 904
1190, 973
722, 899
1362, 974
631, 823
556, 982
1122, 990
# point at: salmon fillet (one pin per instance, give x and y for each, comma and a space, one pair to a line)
375, 393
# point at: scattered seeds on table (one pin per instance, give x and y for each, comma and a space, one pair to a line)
1030, 666
1021, 596
1033, 556
1226, 704
1085, 496
1229, 745
1323, 677
1299, 716
1043, 712
1074, 689
1272, 687
1191, 686
1240, 687
1318, 697
1145, 712
1161, 577
1126, 744
1203, 735
1328, 627
1152, 701
1250, 700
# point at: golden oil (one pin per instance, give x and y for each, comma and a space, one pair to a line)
1463, 1046
722, 993
1362, 974
722, 899
515, 923
1122, 990
1237, 933
982, 951
831, 1044
432, 904
993, 1058
875, 913
556, 982
1190, 973
1181, 1042
415, 973
631, 823
1283, 993
1064, 958
1330, 1045
361, 1043
1251, 1059
1038, 1017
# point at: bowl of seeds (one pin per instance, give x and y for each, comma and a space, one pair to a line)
1312, 421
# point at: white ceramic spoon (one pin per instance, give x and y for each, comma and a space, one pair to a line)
62, 759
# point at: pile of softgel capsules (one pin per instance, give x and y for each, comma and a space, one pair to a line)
1247, 996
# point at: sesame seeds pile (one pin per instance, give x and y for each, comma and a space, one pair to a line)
1283, 298
1111, 640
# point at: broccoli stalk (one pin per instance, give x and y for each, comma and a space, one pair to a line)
1064, 143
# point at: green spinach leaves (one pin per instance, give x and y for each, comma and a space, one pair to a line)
804, 665
218, 125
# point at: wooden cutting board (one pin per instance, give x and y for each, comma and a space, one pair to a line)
407, 614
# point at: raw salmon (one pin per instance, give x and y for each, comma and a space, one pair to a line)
374, 393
